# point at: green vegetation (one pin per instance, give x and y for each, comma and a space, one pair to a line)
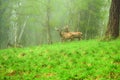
78, 60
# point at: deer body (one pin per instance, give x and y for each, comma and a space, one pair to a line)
69, 35
65, 36
76, 35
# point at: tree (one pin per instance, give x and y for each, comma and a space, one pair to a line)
48, 22
113, 23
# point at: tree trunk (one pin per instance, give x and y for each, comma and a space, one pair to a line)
23, 28
113, 23
49, 38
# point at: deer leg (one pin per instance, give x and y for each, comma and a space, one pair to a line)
62, 39
71, 39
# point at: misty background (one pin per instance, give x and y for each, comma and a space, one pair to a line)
33, 22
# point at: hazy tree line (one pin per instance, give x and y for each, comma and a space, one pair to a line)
33, 22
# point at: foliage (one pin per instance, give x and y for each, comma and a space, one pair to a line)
87, 16
78, 60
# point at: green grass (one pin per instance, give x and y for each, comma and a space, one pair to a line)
79, 60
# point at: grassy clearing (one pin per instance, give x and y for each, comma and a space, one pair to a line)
83, 60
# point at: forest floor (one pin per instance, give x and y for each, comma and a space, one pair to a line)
78, 60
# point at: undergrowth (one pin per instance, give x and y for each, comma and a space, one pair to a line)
79, 60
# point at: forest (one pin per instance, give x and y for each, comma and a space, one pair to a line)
32, 23
59, 39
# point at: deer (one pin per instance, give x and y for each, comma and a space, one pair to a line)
64, 35
74, 34
68, 35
